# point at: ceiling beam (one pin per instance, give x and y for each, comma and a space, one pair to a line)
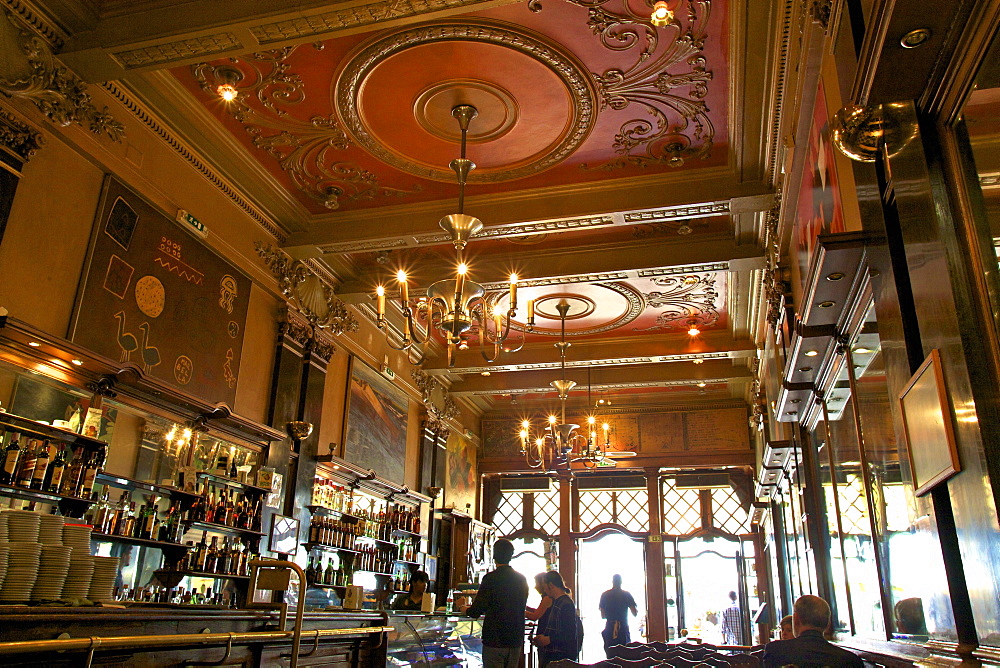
676, 348
582, 207
548, 265
657, 375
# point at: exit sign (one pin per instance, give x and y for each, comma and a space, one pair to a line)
192, 223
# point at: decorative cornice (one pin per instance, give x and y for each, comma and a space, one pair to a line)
33, 19
322, 345
307, 293
294, 325
172, 52
819, 11
438, 418
575, 79
54, 90
615, 361
147, 118
17, 137
651, 384
526, 229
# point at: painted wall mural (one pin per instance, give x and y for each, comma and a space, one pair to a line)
647, 434
462, 478
156, 298
376, 423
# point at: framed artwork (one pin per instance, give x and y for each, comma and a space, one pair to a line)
375, 432
927, 428
462, 478
284, 535
155, 297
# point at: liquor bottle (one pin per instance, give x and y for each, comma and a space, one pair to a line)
201, 556
41, 466
223, 512
212, 558
232, 469
328, 574
73, 476
102, 513
11, 455
126, 522
95, 464
311, 570
143, 523
255, 517
54, 476
26, 469
225, 563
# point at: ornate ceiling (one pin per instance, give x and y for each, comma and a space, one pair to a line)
623, 167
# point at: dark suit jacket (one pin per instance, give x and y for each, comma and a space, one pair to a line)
809, 650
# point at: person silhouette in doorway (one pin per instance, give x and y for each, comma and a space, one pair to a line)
615, 605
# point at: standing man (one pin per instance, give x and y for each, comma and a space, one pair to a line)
810, 619
615, 604
501, 598
732, 622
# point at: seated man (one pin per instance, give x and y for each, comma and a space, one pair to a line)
809, 649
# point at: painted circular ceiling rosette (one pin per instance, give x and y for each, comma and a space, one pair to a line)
536, 102
594, 308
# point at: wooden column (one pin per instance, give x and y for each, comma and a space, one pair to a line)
567, 545
656, 617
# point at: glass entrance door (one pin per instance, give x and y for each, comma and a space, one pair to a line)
598, 560
708, 569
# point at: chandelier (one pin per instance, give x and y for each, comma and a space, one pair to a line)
559, 443
455, 307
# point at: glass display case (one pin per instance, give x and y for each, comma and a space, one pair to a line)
434, 640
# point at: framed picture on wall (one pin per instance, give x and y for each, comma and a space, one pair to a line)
375, 428
927, 427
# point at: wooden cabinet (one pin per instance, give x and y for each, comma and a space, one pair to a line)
465, 551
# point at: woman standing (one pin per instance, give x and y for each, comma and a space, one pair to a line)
558, 634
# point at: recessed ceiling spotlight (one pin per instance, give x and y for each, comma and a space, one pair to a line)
803, 369
826, 304
699, 361
484, 373
835, 276
77, 362
915, 38
794, 401
791, 412
862, 350
662, 14
701, 384
34, 344
811, 353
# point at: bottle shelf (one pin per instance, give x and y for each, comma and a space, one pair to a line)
336, 514
27, 494
122, 482
141, 542
230, 482
222, 528
404, 532
404, 561
375, 540
319, 585
330, 548
362, 570
200, 574
40, 430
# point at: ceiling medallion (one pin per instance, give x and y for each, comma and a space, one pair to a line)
581, 307
688, 300
306, 150
668, 82
576, 81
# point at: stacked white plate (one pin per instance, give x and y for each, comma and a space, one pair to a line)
52, 572
50, 529
81, 571
103, 583
77, 536
3, 563
22, 526
22, 570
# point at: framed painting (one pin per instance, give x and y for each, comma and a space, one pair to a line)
462, 479
927, 428
375, 429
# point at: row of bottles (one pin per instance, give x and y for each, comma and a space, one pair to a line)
229, 558
123, 519
333, 533
32, 464
326, 494
375, 559
378, 522
175, 595
227, 507
320, 572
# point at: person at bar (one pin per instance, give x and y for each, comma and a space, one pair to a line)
809, 649
415, 598
501, 600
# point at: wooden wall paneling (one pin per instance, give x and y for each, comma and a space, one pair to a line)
945, 312
656, 620
567, 544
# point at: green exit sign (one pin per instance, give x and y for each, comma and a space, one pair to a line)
192, 223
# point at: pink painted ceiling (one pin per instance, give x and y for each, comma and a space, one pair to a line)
566, 97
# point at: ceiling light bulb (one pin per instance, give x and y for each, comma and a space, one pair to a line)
662, 15
539, 442
513, 278
605, 426
552, 419
694, 331
524, 434
701, 384
463, 269
484, 373
699, 361
380, 291
525, 424
591, 419
227, 92
862, 351
34, 344
497, 310
77, 362
811, 353
401, 276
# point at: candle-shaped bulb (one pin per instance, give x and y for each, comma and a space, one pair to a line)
404, 290
460, 284
552, 419
525, 424
380, 293
591, 419
531, 311
513, 291
605, 426
539, 442
524, 434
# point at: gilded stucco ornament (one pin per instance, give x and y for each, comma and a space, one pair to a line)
19, 138
53, 89
437, 417
667, 82
306, 150
684, 298
307, 293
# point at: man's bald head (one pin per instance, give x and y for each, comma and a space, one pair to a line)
811, 612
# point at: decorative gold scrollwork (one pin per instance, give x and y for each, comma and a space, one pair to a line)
686, 297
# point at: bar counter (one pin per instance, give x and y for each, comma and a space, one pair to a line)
434, 639
166, 635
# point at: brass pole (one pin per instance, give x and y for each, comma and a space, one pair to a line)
836, 507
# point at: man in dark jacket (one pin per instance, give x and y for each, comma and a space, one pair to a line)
501, 598
809, 649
